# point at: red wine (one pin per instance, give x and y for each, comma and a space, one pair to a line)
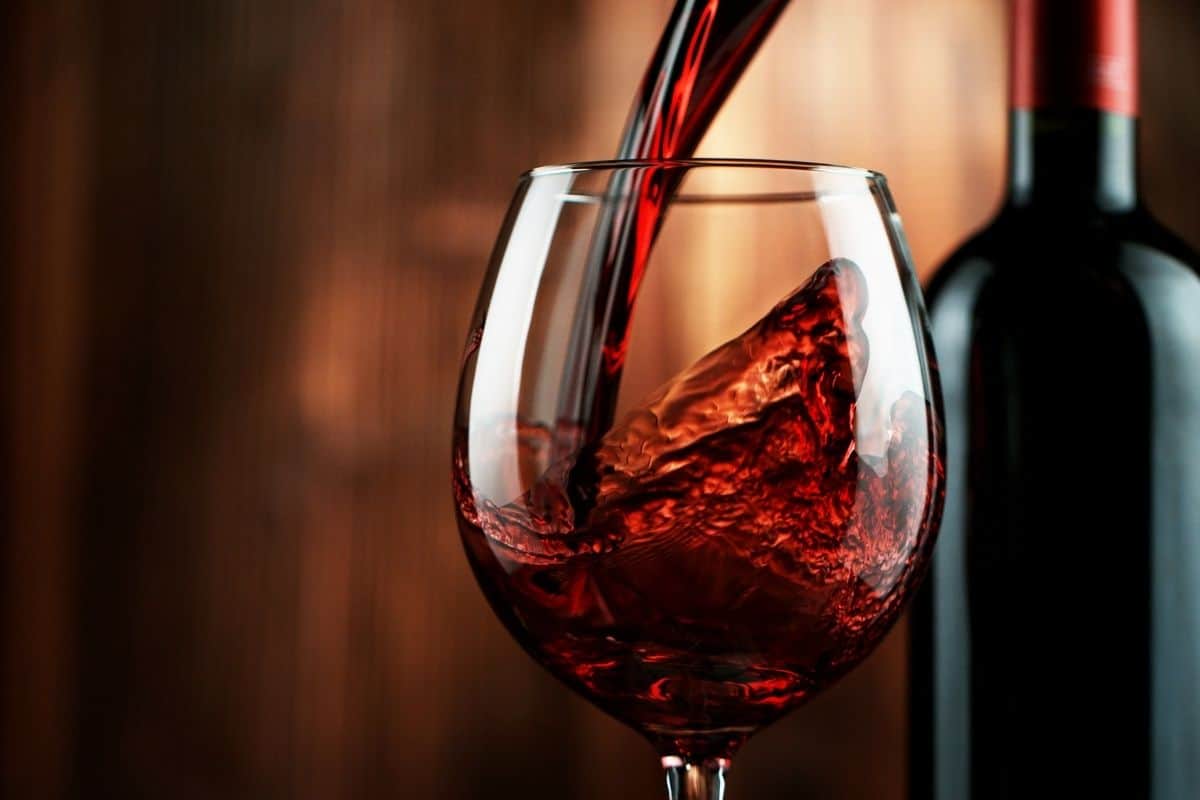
1056, 647
738, 554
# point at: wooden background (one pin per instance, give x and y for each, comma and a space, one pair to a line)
241, 241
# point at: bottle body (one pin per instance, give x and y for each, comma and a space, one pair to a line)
1057, 642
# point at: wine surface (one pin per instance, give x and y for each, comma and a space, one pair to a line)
737, 553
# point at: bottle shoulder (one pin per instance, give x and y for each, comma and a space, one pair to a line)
1147, 231
1060, 253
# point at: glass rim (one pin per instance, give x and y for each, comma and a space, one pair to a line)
703, 163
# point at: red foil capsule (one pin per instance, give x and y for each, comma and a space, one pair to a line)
1075, 53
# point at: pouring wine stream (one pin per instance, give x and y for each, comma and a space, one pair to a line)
705, 47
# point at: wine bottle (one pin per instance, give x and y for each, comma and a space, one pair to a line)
1056, 644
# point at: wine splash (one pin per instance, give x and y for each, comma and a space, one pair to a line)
705, 48
739, 553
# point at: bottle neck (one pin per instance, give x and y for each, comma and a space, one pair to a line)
1074, 85
1073, 159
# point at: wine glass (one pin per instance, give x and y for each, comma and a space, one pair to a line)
698, 558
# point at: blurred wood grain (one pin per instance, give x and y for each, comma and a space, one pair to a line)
241, 241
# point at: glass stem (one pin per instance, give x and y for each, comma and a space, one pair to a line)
701, 781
